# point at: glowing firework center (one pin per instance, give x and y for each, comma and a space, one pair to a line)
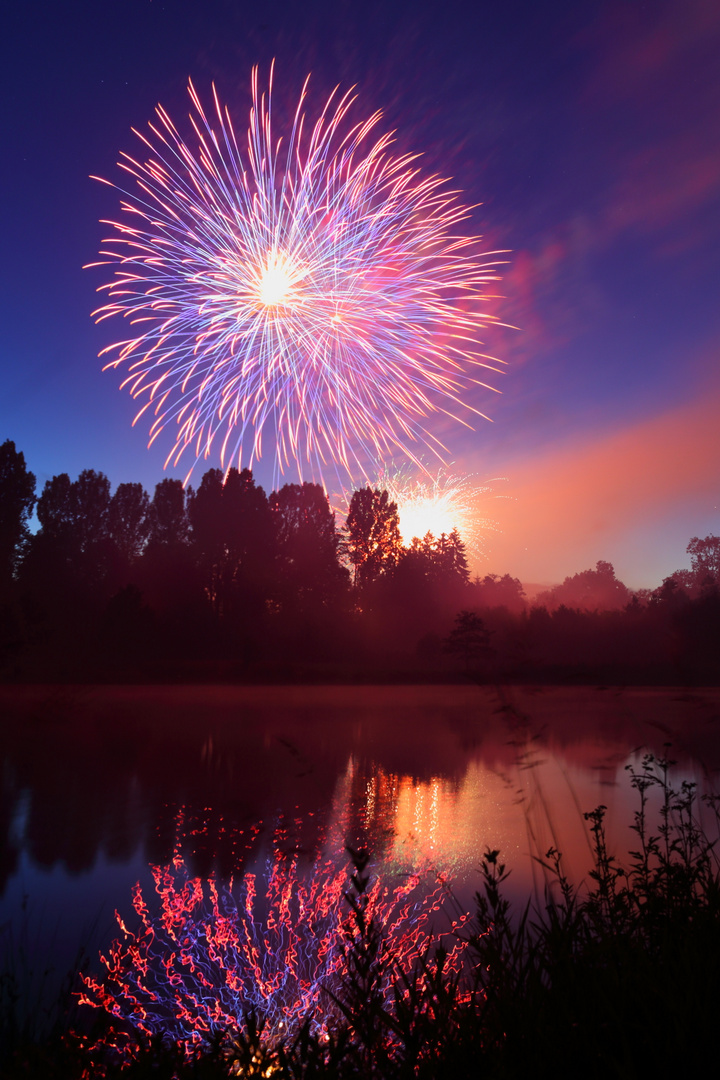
278, 280
426, 514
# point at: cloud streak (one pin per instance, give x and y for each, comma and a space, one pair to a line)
577, 504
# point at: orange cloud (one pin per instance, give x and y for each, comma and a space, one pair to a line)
578, 503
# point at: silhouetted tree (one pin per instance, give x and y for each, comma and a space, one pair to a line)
494, 591
590, 590
470, 639
416, 558
129, 520
17, 499
307, 544
702, 579
440, 562
90, 508
70, 571
71, 557
420, 594
705, 556
449, 561
232, 534
55, 507
704, 573
46, 574
372, 529
166, 573
671, 593
169, 522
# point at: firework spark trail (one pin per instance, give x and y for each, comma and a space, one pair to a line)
321, 296
438, 503
273, 944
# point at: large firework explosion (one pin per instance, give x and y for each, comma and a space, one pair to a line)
439, 502
312, 292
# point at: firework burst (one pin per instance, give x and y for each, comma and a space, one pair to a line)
438, 503
314, 293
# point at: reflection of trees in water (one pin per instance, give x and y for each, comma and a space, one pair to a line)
103, 772
116, 765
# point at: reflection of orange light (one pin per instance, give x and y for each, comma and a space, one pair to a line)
443, 823
447, 825
436, 822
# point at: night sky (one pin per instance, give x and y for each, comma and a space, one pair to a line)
588, 132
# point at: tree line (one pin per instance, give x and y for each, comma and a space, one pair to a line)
224, 580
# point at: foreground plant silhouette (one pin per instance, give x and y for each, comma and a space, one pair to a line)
619, 976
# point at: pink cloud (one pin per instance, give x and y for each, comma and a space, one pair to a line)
640, 48
663, 183
576, 504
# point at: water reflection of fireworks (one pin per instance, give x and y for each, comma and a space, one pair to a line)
272, 944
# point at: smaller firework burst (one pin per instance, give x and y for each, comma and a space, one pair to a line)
439, 502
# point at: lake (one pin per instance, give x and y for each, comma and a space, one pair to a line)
107, 788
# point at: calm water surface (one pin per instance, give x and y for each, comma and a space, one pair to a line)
100, 784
